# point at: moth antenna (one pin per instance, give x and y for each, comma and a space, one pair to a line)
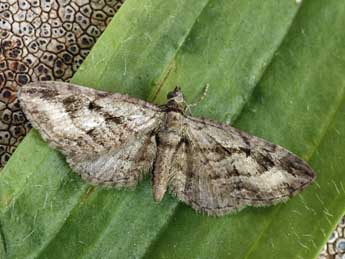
201, 98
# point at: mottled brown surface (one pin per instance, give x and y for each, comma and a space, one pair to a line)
112, 139
42, 40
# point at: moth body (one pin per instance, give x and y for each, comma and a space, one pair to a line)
169, 139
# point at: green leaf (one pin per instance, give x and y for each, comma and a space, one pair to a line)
275, 70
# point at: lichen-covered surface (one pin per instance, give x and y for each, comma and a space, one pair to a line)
42, 40
335, 247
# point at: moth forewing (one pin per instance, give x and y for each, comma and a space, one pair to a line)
111, 139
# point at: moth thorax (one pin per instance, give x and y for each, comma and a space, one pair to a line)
176, 100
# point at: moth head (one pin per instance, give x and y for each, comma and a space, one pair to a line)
176, 100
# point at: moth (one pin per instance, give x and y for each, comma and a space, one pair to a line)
114, 140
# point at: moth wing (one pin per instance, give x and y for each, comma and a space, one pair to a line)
219, 169
107, 138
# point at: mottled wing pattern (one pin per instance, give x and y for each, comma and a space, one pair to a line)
107, 138
219, 169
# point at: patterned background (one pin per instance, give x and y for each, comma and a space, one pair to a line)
42, 40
